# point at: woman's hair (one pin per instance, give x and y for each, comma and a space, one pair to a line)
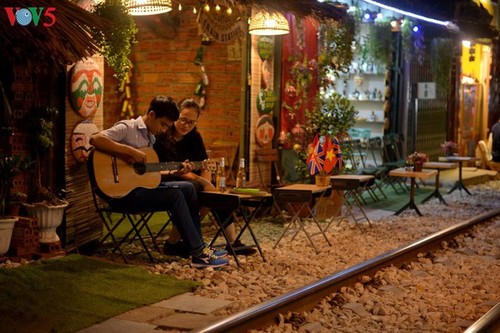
164, 106
189, 103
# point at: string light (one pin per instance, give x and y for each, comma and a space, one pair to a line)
180, 7
217, 8
206, 7
229, 11
449, 25
194, 10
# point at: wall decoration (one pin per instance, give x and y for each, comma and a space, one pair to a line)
224, 26
86, 87
265, 47
265, 130
265, 101
266, 75
125, 96
79, 144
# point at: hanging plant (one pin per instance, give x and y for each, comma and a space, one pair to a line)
379, 43
116, 44
407, 39
412, 42
441, 60
336, 52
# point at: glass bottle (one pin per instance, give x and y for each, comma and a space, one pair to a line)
241, 175
221, 176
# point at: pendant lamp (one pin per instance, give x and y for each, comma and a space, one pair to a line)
268, 24
147, 7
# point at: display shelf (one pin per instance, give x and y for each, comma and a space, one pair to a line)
366, 101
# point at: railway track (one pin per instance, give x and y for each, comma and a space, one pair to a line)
309, 296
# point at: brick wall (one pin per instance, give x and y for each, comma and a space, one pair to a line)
163, 63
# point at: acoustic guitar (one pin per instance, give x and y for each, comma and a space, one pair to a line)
116, 178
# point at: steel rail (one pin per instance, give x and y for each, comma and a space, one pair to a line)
307, 297
488, 323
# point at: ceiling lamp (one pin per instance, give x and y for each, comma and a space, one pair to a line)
147, 7
267, 24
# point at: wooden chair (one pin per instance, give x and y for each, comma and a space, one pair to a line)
486, 161
271, 157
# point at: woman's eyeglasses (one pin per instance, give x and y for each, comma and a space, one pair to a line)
188, 122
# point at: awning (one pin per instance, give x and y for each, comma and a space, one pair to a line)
46, 32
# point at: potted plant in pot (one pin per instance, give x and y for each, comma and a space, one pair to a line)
44, 205
10, 167
417, 160
331, 117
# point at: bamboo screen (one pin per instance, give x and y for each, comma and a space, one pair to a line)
82, 222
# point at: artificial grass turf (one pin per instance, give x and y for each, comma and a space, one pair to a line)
75, 292
396, 200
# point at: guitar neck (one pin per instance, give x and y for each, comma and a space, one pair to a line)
168, 166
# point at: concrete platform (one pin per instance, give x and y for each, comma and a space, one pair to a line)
182, 312
470, 176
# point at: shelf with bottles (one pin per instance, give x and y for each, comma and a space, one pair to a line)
371, 115
362, 89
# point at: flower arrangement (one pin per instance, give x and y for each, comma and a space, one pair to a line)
417, 157
449, 148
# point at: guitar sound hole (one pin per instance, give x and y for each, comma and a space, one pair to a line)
140, 168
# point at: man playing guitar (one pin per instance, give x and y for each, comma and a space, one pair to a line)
125, 142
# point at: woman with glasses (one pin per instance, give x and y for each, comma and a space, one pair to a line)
183, 142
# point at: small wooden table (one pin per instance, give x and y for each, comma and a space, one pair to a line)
302, 195
401, 172
460, 159
235, 202
350, 185
438, 166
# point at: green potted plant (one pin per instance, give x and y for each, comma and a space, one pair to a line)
332, 115
10, 167
46, 206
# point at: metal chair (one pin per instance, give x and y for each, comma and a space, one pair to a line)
113, 216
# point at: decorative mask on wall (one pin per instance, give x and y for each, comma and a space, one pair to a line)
80, 146
86, 87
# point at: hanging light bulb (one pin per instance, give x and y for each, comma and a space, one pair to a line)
229, 11
180, 7
206, 7
268, 24
194, 10
217, 8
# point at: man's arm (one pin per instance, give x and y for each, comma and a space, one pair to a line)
123, 151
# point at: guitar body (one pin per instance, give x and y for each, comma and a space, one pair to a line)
116, 178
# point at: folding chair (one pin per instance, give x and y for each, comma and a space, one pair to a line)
138, 220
